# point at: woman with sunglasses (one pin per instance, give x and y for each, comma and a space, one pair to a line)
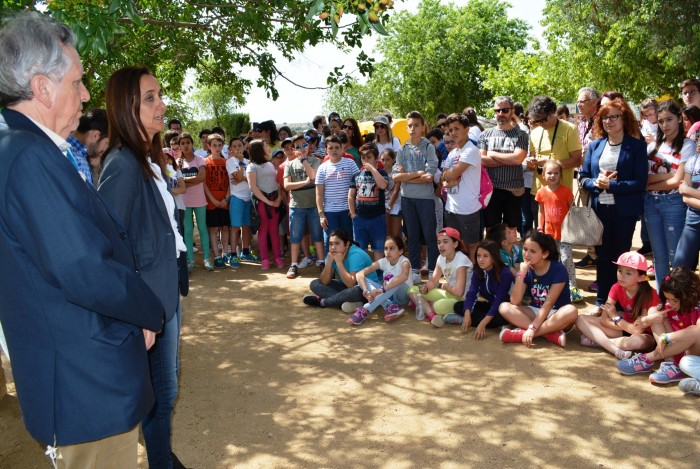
385, 138
614, 173
352, 130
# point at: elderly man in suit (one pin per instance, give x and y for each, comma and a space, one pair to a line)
72, 304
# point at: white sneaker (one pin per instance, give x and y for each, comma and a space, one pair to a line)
415, 276
305, 263
350, 306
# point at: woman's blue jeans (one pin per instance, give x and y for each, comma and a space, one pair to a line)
689, 244
665, 216
163, 358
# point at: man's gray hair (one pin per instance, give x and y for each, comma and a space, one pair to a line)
507, 99
32, 44
592, 92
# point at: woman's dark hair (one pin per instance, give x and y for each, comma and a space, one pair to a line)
356, 139
684, 285
341, 234
369, 137
123, 102
677, 144
546, 243
494, 251
398, 241
257, 152
497, 233
692, 112
272, 128
472, 118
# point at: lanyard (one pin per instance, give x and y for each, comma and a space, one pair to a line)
551, 143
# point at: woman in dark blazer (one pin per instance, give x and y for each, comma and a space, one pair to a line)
133, 183
614, 173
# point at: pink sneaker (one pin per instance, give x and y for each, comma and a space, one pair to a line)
558, 338
511, 336
265, 264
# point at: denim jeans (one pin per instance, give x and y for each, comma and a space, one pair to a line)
337, 220
617, 239
163, 359
665, 217
299, 219
690, 365
689, 244
419, 217
399, 294
370, 231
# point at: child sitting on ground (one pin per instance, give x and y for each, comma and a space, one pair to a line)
397, 280
620, 334
438, 300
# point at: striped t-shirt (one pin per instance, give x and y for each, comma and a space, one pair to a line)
505, 141
336, 179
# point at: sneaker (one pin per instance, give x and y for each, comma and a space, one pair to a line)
312, 300
321, 265
557, 338
358, 317
511, 336
293, 271
250, 257
208, 265
190, 266
227, 259
350, 306
690, 386
651, 272
593, 287
634, 365
438, 320
220, 262
586, 342
453, 318
307, 261
265, 264
586, 263
415, 276
234, 262
393, 312
668, 372
622, 354
576, 296
279, 262
645, 250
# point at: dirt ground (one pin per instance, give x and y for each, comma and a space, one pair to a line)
267, 382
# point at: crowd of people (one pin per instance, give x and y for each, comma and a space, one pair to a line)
479, 212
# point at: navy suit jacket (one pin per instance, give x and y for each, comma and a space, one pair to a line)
632, 169
139, 205
71, 302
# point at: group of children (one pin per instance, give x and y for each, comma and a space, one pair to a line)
525, 297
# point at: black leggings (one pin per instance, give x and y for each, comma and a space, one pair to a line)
336, 293
479, 313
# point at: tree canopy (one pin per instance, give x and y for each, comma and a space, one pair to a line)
640, 48
216, 39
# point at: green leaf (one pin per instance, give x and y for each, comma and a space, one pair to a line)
114, 6
379, 28
316, 8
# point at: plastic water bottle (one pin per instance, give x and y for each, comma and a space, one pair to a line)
420, 308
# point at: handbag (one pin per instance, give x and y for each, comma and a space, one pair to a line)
581, 226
